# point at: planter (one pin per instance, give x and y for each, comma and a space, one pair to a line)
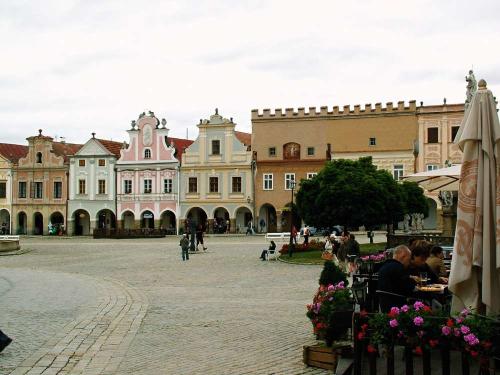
321, 356
340, 323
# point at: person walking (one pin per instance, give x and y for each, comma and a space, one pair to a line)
184, 244
294, 234
307, 232
199, 237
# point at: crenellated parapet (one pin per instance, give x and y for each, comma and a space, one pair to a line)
345, 111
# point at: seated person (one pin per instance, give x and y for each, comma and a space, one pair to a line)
420, 252
394, 278
436, 262
272, 246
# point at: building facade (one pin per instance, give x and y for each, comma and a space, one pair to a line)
92, 187
216, 178
292, 145
39, 186
147, 178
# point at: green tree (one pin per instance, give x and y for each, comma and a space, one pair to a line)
352, 193
414, 198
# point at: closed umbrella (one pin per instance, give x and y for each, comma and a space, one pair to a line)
475, 277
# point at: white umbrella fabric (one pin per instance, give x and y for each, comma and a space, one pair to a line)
438, 179
475, 277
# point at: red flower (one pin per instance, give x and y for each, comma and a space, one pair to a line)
361, 335
450, 323
371, 349
427, 308
474, 353
418, 350
364, 327
433, 343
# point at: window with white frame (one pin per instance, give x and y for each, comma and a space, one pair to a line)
289, 177
148, 186
372, 141
432, 167
147, 153
167, 185
213, 183
236, 184
268, 181
397, 171
127, 186
82, 187
101, 186
57, 189
215, 147
311, 175
38, 190
310, 151
193, 185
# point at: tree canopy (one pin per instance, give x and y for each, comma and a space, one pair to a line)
355, 193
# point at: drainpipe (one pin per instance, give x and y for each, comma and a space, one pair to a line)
11, 200
67, 202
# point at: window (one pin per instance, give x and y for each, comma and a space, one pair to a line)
193, 185
147, 153
215, 147
3, 189
454, 131
127, 186
432, 135
57, 189
22, 189
102, 162
432, 167
373, 141
397, 171
310, 151
214, 184
236, 184
311, 175
38, 190
272, 151
101, 186
289, 177
167, 186
268, 181
81, 163
82, 187
38, 157
148, 184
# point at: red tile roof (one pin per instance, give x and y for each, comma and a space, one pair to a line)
245, 138
180, 145
112, 146
13, 152
65, 149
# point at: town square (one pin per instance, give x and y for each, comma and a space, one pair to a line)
215, 187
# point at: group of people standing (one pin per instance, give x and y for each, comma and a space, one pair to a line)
341, 249
186, 238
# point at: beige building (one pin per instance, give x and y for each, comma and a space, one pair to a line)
39, 191
294, 144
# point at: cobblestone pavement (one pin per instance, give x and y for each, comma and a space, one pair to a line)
83, 306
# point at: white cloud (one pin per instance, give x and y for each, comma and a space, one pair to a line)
73, 67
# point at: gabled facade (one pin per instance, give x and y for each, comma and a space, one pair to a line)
92, 187
216, 178
147, 178
40, 186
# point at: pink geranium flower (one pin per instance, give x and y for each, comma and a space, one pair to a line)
393, 323
446, 330
418, 305
405, 308
418, 321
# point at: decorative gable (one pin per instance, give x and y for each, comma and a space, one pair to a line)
93, 147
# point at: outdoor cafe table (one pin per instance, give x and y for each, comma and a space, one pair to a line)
427, 293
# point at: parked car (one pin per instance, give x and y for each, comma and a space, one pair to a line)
336, 229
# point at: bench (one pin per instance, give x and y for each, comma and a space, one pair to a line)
278, 236
9, 243
9, 238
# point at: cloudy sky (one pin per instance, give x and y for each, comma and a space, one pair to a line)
73, 67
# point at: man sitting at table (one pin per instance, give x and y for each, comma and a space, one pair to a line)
436, 262
393, 278
420, 252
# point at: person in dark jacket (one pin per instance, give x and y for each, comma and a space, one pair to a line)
420, 252
199, 237
394, 278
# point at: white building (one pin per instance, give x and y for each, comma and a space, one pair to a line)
92, 187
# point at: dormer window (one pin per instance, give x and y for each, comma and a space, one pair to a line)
147, 153
39, 157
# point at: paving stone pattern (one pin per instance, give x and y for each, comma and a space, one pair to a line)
83, 306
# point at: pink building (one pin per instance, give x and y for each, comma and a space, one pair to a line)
147, 177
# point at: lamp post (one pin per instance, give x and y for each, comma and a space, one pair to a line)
291, 244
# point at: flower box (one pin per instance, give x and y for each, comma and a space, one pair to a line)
321, 356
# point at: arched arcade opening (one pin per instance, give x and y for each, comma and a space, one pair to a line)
81, 219
267, 219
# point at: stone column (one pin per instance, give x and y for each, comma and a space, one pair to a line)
210, 228
278, 221
233, 225
92, 226
70, 227
182, 226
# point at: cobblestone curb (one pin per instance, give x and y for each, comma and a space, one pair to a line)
98, 340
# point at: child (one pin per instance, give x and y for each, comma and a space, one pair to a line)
184, 244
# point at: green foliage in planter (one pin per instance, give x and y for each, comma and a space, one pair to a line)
332, 275
301, 248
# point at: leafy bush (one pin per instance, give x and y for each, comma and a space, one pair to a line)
332, 275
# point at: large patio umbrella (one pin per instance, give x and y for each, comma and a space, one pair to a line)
475, 276
437, 179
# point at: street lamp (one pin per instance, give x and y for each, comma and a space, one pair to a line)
291, 245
